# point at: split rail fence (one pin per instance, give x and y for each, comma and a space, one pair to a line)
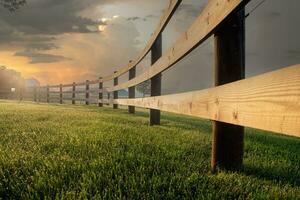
269, 101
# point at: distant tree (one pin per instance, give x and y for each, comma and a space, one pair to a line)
144, 88
12, 5
10, 80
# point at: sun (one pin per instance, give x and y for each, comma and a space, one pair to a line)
101, 28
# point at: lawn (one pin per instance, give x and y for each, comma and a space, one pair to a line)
80, 152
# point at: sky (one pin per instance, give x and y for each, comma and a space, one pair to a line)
62, 41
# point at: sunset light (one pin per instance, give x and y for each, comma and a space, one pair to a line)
104, 19
101, 28
149, 99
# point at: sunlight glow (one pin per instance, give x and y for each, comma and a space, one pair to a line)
104, 19
101, 28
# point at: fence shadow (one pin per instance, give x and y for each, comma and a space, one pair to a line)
178, 121
282, 175
284, 152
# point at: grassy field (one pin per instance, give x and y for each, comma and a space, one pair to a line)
77, 152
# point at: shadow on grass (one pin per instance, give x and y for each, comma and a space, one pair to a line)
177, 121
274, 174
188, 123
278, 157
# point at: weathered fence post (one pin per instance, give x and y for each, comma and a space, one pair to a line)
47, 94
156, 53
100, 92
116, 96
87, 92
34, 94
108, 97
74, 93
39, 94
60, 94
21, 93
228, 140
131, 90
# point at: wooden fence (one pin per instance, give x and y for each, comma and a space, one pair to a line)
269, 101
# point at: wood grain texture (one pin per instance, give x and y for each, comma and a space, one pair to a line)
213, 14
270, 102
229, 43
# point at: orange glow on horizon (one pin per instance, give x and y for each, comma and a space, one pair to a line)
45, 73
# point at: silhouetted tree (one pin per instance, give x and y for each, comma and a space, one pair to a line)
12, 5
9, 78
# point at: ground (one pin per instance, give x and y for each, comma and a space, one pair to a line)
80, 152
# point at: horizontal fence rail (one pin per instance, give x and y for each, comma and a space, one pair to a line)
269, 101
210, 18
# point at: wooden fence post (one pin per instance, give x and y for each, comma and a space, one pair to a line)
228, 140
21, 93
39, 93
100, 92
87, 92
131, 90
34, 94
116, 96
48, 94
156, 53
60, 94
74, 93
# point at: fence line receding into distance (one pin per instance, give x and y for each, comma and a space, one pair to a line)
269, 101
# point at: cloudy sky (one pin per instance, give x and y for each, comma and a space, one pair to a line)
61, 41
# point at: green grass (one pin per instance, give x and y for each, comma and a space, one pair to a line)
78, 152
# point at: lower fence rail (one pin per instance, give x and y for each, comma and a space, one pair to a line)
269, 102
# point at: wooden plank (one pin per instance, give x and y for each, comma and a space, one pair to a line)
67, 85
270, 102
213, 14
81, 84
165, 18
54, 86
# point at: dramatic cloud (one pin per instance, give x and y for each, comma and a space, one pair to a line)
61, 41
38, 23
40, 57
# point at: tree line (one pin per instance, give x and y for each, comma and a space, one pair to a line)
12, 5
